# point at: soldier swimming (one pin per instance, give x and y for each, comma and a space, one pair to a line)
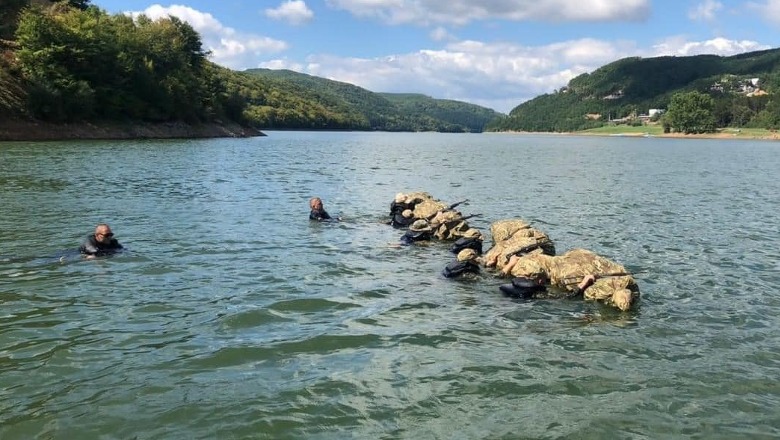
318, 212
465, 263
528, 255
100, 243
471, 239
579, 273
419, 231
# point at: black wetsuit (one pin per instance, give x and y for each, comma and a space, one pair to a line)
92, 247
412, 236
527, 288
467, 243
399, 221
319, 215
524, 288
458, 268
398, 208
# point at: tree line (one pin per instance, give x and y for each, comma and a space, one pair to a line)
71, 61
344, 105
84, 64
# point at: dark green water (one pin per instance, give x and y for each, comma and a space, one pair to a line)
231, 316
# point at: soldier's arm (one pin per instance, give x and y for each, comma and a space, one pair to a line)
586, 282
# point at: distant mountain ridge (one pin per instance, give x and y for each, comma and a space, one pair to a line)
353, 107
745, 88
71, 62
55, 67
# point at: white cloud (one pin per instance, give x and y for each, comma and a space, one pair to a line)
280, 64
677, 46
202, 21
705, 11
769, 10
496, 75
292, 11
461, 12
441, 34
499, 75
228, 47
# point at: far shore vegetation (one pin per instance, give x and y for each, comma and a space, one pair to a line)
71, 63
656, 130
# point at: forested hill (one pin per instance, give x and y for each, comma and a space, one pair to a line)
72, 62
342, 105
744, 90
471, 116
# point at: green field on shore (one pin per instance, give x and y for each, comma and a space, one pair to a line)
657, 130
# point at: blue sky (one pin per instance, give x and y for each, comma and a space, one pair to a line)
495, 53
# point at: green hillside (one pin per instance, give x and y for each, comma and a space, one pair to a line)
744, 89
460, 113
70, 62
363, 109
63, 62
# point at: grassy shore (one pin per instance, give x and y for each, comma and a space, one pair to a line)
657, 131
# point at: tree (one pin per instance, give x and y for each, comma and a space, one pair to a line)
770, 116
9, 13
691, 113
78, 4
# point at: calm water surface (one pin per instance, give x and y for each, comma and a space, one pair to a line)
231, 316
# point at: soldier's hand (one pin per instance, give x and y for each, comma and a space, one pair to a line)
587, 280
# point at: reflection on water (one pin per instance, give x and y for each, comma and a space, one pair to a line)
232, 316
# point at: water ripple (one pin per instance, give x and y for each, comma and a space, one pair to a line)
230, 315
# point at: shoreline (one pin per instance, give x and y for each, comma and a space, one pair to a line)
718, 135
20, 130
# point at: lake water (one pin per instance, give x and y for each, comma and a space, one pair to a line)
231, 316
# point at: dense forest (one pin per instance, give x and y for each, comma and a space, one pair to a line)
741, 91
73, 62
359, 108
70, 61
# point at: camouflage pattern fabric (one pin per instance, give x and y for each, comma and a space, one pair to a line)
532, 265
473, 233
565, 272
444, 217
467, 255
503, 229
457, 230
445, 222
499, 255
428, 208
418, 196
511, 236
451, 231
